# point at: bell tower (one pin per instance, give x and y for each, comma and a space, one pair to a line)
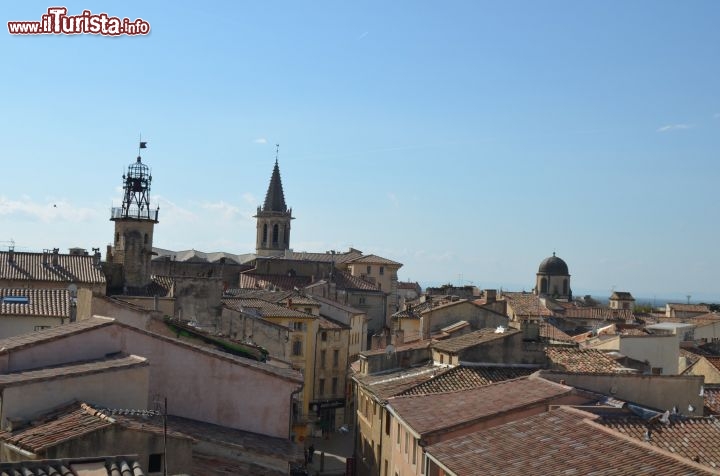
134, 225
273, 218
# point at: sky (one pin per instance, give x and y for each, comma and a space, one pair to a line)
467, 140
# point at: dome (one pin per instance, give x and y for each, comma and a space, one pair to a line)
553, 266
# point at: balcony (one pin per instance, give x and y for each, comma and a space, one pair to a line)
118, 213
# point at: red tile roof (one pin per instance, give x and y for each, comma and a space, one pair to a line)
582, 360
250, 280
680, 307
40, 302
464, 378
471, 339
434, 412
697, 439
39, 267
526, 305
561, 442
373, 259
389, 384
265, 308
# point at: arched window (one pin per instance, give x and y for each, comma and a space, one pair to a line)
543, 286
264, 239
117, 238
286, 234
276, 230
565, 286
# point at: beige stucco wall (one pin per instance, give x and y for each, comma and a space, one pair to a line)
661, 392
119, 388
15, 325
661, 351
443, 316
707, 370
708, 331
198, 385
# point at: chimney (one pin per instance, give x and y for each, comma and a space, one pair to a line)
96, 257
56, 251
490, 296
45, 254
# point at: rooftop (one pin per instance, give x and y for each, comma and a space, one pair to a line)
388, 384
433, 412
582, 360
195, 256
373, 259
36, 302
72, 370
58, 332
267, 309
526, 304
680, 307
103, 465
561, 442
471, 339
21, 266
464, 378
697, 439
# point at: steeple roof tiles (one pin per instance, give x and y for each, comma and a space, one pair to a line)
275, 198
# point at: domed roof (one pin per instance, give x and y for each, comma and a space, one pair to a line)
553, 266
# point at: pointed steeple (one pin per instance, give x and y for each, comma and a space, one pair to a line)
275, 198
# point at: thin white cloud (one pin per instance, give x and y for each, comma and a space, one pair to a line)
226, 210
50, 211
393, 198
362, 35
249, 198
674, 127
260, 140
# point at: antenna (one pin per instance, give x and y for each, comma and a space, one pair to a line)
277, 152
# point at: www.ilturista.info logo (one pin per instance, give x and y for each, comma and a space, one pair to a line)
58, 22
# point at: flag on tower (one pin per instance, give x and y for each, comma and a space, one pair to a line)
143, 145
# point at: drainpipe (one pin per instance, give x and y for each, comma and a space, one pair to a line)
292, 398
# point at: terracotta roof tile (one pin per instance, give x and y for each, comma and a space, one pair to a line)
265, 308
471, 339
526, 305
387, 385
373, 259
599, 313
697, 439
39, 267
113, 465
434, 412
561, 442
40, 302
711, 394
250, 280
680, 307
464, 378
582, 360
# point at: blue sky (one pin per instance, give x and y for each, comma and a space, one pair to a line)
466, 139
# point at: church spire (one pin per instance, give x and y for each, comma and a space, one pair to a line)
275, 198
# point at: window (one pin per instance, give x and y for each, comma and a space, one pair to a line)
146, 238
369, 268
414, 452
398, 434
361, 300
297, 347
323, 336
298, 326
264, 237
406, 442
117, 238
334, 386
155, 463
387, 423
336, 358
382, 270
276, 232
321, 386
322, 359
